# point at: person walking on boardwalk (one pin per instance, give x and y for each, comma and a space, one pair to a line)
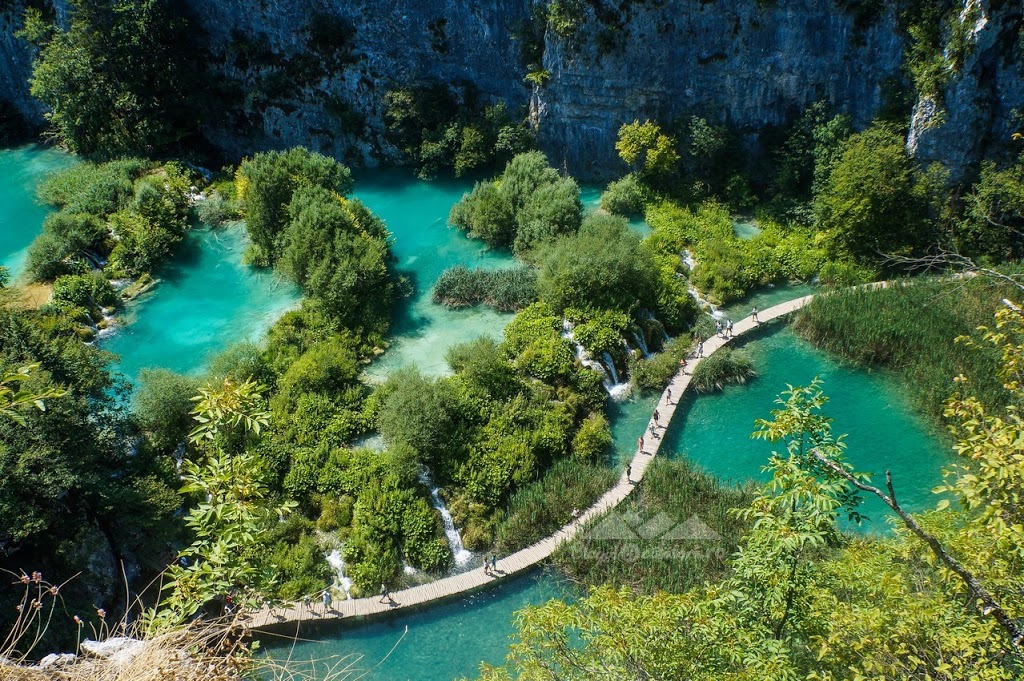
753, 313
326, 595
494, 563
668, 395
718, 328
700, 348
487, 566
728, 327
575, 515
629, 472
657, 416
640, 443
385, 595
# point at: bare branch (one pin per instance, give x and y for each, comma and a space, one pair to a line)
991, 605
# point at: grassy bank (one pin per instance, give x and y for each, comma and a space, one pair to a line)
911, 330
674, 532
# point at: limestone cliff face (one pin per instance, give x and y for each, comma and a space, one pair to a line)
981, 107
16, 63
740, 62
314, 72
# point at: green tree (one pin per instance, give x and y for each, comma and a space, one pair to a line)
647, 150
266, 184
233, 512
118, 78
873, 204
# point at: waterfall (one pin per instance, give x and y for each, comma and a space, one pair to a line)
610, 377
638, 337
337, 563
608, 362
459, 552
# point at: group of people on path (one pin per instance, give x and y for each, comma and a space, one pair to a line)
491, 564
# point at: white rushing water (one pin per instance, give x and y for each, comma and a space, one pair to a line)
337, 564
459, 552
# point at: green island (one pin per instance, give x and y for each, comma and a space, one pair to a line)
552, 339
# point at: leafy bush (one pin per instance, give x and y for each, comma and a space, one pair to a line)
527, 205
163, 405
655, 373
593, 439
505, 290
94, 188
90, 291
627, 196
266, 184
217, 209
61, 247
602, 267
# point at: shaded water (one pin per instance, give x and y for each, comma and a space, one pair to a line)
206, 300
21, 213
443, 642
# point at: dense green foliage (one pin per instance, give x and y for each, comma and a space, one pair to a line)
117, 77
506, 290
524, 207
603, 267
911, 328
728, 267
441, 127
130, 214
798, 599
627, 196
993, 218
873, 204
266, 184
73, 497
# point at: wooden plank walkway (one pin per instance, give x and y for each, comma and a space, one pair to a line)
532, 555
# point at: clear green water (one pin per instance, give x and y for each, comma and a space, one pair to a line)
714, 430
745, 229
21, 214
206, 300
417, 213
443, 642
767, 297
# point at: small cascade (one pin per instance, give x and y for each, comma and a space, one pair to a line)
641, 343
337, 564
616, 390
459, 552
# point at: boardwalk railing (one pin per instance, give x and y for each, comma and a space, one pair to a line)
542, 550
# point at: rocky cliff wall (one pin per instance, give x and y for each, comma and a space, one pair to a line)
314, 72
739, 62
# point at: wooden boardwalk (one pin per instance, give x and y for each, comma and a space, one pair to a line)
532, 555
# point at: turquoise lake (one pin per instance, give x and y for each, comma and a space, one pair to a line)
21, 213
207, 300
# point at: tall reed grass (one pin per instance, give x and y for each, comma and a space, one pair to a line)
506, 290
654, 539
912, 330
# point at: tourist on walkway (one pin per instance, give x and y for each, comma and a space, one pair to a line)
575, 515
385, 595
668, 395
729, 328
753, 313
718, 328
306, 601
487, 566
700, 348
326, 596
629, 472
640, 444
494, 562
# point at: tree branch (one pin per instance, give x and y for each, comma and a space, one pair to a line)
992, 606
